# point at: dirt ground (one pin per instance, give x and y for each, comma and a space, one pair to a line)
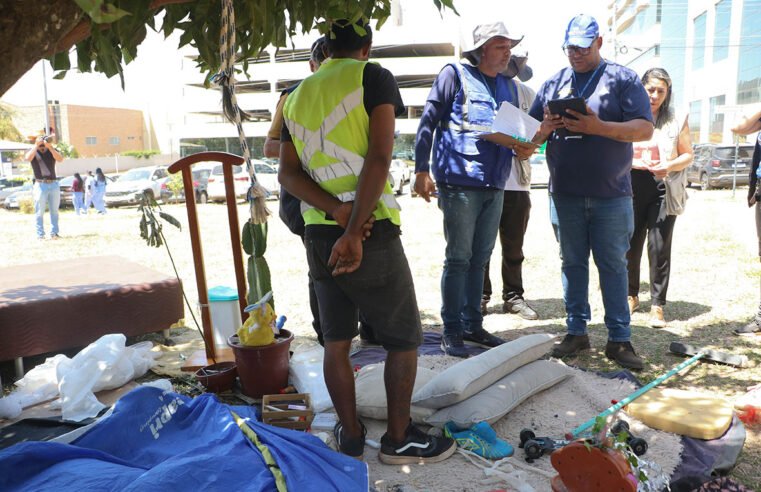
714, 286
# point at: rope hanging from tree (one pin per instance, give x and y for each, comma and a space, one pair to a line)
226, 80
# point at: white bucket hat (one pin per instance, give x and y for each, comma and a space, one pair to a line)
484, 32
480, 35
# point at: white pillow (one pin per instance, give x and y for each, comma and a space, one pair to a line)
470, 376
497, 400
370, 392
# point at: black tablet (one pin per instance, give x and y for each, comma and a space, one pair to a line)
559, 106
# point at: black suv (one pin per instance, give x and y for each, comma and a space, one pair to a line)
714, 165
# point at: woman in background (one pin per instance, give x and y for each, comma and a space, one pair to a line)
78, 194
659, 181
99, 191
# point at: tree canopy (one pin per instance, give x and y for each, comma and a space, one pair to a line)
106, 33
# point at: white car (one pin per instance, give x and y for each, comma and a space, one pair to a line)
130, 186
399, 175
265, 173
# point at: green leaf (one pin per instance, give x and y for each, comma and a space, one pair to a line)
171, 220
60, 61
101, 12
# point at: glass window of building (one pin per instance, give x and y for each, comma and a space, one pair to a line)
113, 140
91, 140
699, 42
749, 66
674, 22
716, 120
721, 30
693, 121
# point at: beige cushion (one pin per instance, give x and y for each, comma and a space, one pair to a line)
472, 375
497, 400
371, 393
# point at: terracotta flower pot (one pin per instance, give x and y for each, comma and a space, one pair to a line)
582, 469
217, 378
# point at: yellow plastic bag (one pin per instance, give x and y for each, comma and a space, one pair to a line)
258, 330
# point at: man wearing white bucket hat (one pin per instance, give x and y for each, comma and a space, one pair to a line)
470, 175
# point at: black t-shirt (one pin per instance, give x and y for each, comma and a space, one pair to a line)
379, 88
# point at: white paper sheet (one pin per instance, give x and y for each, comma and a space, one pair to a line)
514, 122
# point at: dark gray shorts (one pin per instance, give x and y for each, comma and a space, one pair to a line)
381, 288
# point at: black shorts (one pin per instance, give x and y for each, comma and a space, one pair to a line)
381, 288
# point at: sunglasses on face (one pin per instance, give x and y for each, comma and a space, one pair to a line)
570, 50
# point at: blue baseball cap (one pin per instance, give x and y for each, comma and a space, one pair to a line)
581, 31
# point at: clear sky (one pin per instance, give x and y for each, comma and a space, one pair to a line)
149, 77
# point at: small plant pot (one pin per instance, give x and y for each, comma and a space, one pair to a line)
218, 378
262, 370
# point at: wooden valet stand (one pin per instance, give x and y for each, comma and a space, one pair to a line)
211, 354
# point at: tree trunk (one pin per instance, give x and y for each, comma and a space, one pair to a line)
31, 31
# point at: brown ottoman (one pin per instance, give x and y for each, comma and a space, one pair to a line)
49, 307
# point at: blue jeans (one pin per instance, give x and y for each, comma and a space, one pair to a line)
79, 202
46, 195
603, 226
471, 222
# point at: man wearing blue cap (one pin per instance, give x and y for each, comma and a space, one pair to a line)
589, 157
470, 175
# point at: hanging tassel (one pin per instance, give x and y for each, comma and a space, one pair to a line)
257, 194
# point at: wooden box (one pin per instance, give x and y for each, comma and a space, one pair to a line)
291, 411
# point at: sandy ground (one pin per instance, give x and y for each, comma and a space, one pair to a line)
714, 289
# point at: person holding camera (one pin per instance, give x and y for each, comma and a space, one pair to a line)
749, 124
46, 192
589, 154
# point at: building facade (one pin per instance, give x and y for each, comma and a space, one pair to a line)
92, 131
711, 49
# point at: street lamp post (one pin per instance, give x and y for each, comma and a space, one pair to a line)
45, 93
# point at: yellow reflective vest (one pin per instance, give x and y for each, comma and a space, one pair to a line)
330, 129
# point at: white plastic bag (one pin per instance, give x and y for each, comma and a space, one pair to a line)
307, 376
105, 364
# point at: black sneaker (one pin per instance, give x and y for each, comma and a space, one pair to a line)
417, 447
350, 447
752, 328
520, 307
623, 353
571, 345
454, 346
482, 338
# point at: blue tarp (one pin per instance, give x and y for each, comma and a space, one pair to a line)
166, 441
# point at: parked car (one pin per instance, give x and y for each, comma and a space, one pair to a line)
10, 183
399, 175
11, 186
714, 165
19, 193
540, 173
131, 185
265, 173
200, 185
67, 196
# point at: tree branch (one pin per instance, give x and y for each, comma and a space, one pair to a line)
82, 30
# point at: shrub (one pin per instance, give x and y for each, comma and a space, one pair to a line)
26, 206
140, 154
